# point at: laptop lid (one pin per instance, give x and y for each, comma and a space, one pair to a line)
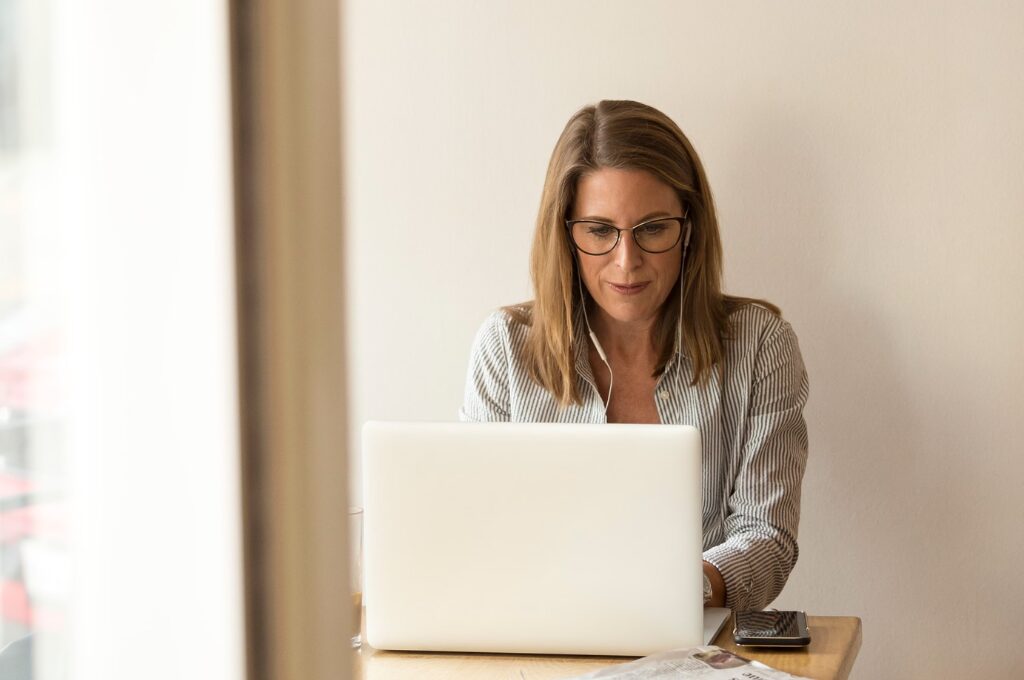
532, 538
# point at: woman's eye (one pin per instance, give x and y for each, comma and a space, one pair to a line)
599, 230
653, 229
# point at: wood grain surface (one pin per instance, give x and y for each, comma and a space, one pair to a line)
835, 642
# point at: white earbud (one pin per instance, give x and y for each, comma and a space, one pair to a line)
682, 284
597, 346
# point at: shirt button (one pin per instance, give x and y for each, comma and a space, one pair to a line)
664, 394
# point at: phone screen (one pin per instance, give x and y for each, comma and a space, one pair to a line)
771, 624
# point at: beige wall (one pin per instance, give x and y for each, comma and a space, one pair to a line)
867, 160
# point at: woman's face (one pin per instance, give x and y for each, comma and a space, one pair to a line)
628, 284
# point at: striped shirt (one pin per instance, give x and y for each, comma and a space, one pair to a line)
752, 429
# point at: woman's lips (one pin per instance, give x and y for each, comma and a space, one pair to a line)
628, 289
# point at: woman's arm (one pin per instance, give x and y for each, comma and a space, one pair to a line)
760, 549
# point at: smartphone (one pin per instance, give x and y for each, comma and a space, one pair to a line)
771, 629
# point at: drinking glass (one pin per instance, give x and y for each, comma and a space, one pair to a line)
355, 571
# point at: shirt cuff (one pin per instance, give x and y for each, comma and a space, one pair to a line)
732, 564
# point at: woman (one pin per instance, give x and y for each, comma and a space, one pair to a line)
629, 325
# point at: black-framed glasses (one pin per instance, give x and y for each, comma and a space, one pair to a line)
652, 236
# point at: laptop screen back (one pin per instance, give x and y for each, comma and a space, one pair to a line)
532, 538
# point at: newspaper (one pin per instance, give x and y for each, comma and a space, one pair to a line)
707, 663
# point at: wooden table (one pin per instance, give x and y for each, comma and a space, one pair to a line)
835, 641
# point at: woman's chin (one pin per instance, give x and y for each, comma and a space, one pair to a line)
631, 314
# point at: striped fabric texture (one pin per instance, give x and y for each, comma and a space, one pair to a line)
751, 424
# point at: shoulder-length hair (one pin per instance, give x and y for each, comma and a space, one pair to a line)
624, 135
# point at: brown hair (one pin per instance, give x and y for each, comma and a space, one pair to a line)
624, 135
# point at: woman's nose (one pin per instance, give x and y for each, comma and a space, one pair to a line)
627, 253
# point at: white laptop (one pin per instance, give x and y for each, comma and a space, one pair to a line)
533, 538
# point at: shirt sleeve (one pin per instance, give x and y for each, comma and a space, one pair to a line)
487, 392
760, 547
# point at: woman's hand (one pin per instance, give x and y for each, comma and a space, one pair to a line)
717, 586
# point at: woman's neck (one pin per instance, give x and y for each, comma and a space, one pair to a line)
631, 343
